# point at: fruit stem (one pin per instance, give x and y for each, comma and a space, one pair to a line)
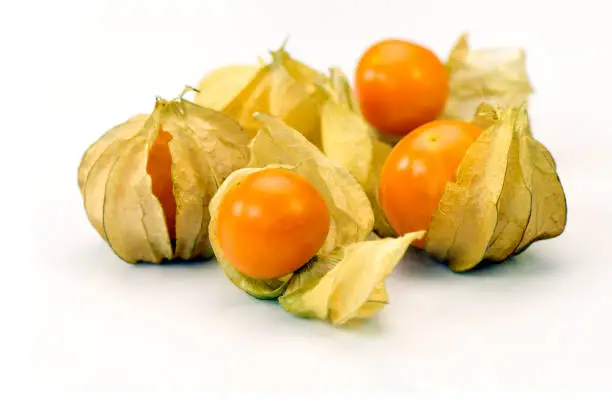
188, 88
279, 55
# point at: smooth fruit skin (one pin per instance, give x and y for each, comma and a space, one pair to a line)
159, 167
415, 173
400, 85
272, 223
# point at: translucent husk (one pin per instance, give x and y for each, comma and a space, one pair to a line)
284, 88
497, 76
349, 140
205, 147
347, 283
224, 84
323, 108
507, 195
344, 281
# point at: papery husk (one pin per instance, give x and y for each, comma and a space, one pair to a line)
344, 281
285, 88
206, 146
348, 283
224, 84
497, 76
507, 195
379, 154
349, 140
548, 216
346, 137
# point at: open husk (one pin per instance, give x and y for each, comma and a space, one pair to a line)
322, 108
497, 76
151, 219
348, 283
506, 196
344, 281
284, 87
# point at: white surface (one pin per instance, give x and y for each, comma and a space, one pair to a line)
542, 321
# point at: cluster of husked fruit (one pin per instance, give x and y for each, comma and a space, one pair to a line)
309, 191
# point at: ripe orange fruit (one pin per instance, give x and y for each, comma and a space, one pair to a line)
159, 167
272, 223
415, 173
400, 85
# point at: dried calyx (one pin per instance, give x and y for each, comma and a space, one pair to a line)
344, 281
147, 182
284, 88
507, 195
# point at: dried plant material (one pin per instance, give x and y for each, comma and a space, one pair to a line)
97, 163
338, 89
295, 97
506, 196
146, 183
120, 132
284, 88
548, 215
133, 221
515, 198
220, 86
345, 279
497, 76
379, 154
350, 141
347, 284
254, 97
462, 226
278, 145
347, 139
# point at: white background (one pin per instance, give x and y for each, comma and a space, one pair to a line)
542, 321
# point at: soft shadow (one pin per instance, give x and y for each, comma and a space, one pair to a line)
365, 327
418, 263
530, 261
372, 327
360, 327
106, 258
195, 265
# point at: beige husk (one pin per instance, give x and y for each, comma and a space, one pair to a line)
284, 88
507, 195
345, 279
350, 141
497, 76
206, 146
